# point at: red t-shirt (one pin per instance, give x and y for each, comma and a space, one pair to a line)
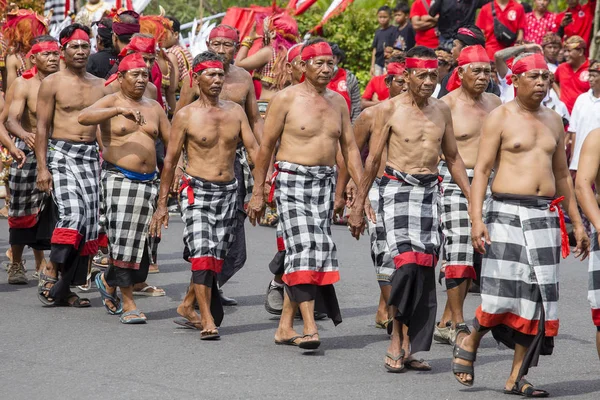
583, 19
376, 85
513, 16
535, 29
157, 80
427, 38
572, 83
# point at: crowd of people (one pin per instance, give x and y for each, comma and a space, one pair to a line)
434, 160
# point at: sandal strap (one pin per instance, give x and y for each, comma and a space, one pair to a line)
463, 354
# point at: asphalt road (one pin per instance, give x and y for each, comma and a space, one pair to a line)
63, 353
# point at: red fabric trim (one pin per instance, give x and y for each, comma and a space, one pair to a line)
28, 221
206, 263
185, 184
515, 322
66, 236
460, 271
414, 257
272, 190
124, 264
102, 240
596, 316
280, 244
311, 278
564, 236
90, 247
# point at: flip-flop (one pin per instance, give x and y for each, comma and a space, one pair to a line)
150, 291
528, 391
107, 296
132, 321
210, 334
79, 302
289, 342
409, 364
395, 358
309, 344
88, 284
383, 324
186, 323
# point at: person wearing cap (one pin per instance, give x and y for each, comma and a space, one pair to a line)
540, 22
68, 165
237, 87
571, 77
129, 123
585, 116
469, 105
100, 63
551, 45
24, 211
519, 290
209, 130
577, 20
310, 122
417, 129
467, 35
363, 131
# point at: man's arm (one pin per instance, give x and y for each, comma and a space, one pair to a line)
354, 91
274, 124
256, 121
17, 94
502, 55
248, 138
256, 60
587, 172
455, 163
6, 140
423, 23
171, 92
45, 113
100, 111
373, 59
12, 65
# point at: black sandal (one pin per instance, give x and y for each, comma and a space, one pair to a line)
463, 354
526, 389
79, 302
44, 291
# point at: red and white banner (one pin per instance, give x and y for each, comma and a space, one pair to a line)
300, 6
336, 8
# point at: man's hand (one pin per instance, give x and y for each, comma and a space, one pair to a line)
567, 19
369, 212
533, 48
132, 114
17, 155
256, 208
351, 191
479, 236
159, 219
29, 139
372, 70
44, 181
338, 207
583, 242
356, 223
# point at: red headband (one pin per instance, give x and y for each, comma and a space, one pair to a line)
78, 34
466, 32
395, 68
420, 63
534, 61
140, 45
224, 31
41, 47
316, 50
294, 52
132, 61
468, 55
205, 65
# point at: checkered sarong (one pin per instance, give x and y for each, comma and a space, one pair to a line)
128, 207
456, 227
380, 252
26, 199
242, 157
519, 274
208, 211
594, 279
409, 205
75, 175
304, 196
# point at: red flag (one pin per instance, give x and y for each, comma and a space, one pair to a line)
297, 7
336, 8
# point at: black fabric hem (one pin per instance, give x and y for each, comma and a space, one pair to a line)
324, 296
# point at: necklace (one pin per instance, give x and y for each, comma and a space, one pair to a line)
93, 8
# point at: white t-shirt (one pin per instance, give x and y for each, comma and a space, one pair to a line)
584, 119
553, 102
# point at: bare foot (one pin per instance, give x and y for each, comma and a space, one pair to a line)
190, 314
281, 334
394, 349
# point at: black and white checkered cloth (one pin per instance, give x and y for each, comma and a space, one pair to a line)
242, 158
76, 183
26, 199
519, 274
380, 252
129, 206
409, 205
594, 279
456, 227
208, 212
304, 196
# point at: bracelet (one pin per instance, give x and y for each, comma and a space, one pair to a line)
247, 44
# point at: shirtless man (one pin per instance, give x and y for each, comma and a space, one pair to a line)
310, 122
363, 132
130, 124
469, 105
237, 87
26, 200
68, 167
209, 130
587, 176
518, 251
416, 129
